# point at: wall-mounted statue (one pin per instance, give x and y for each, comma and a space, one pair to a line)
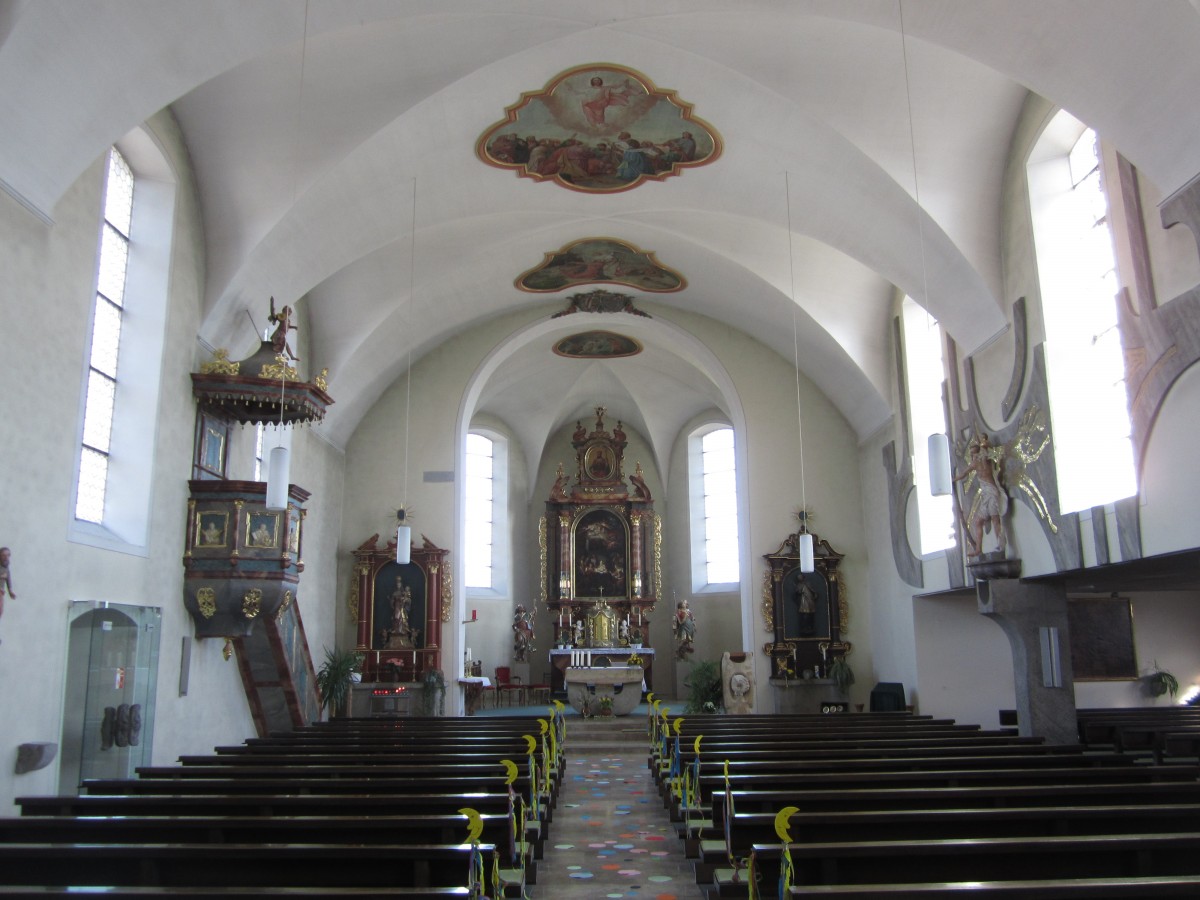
684, 628
985, 470
522, 633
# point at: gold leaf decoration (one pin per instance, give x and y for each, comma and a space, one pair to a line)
287, 601
768, 601
252, 603
220, 364
206, 599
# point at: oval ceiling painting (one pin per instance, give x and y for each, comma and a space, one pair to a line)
600, 261
599, 128
597, 345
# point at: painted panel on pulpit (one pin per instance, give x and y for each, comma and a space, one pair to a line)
601, 545
399, 610
805, 606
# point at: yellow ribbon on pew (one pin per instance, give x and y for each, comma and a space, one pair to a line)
553, 738
510, 770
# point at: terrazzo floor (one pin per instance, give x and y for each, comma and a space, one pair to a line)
611, 836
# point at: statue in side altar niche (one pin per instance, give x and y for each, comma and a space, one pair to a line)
990, 502
522, 633
401, 634
579, 632
684, 628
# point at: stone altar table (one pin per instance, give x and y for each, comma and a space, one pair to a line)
560, 659
622, 683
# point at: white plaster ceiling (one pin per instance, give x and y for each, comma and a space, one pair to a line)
311, 126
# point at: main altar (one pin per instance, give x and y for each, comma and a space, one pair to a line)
601, 550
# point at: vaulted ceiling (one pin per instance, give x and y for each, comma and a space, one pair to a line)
321, 132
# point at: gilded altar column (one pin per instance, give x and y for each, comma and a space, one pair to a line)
564, 555
635, 552
364, 614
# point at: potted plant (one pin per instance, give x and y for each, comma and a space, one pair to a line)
841, 673
606, 706
433, 692
1161, 682
335, 677
706, 694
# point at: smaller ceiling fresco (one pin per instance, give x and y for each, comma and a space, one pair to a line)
599, 128
597, 345
600, 261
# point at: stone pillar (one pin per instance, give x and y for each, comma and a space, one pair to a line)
1034, 616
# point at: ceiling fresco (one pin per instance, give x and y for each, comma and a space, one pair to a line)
599, 128
600, 261
597, 345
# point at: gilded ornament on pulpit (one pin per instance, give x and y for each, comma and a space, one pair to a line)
206, 599
252, 603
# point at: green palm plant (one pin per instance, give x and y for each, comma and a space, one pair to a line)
335, 677
1161, 682
841, 673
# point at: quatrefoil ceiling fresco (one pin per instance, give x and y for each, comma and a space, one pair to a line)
597, 345
600, 261
599, 128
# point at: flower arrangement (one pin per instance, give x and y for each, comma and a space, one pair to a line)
635, 660
606, 704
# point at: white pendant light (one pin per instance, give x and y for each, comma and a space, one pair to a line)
807, 563
939, 465
804, 541
403, 530
403, 539
278, 474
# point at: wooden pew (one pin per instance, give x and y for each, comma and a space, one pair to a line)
142, 892
978, 859
1120, 888
241, 865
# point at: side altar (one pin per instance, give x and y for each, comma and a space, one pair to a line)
601, 552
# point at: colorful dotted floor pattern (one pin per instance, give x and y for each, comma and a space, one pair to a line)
612, 838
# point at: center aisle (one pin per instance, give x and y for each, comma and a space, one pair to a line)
611, 836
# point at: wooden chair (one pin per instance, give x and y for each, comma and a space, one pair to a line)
539, 692
507, 684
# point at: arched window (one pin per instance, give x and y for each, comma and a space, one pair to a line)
486, 555
122, 370
925, 373
1079, 282
712, 488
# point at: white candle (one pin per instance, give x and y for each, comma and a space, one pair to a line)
469, 656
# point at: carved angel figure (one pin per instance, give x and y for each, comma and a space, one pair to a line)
984, 471
993, 470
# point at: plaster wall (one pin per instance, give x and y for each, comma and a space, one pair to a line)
964, 662
52, 268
